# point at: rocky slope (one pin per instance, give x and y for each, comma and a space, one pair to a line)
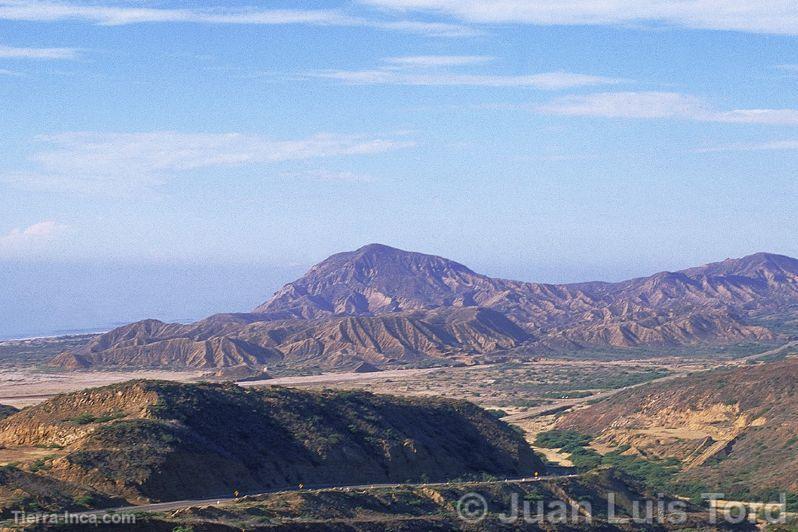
150, 440
384, 305
735, 430
31, 492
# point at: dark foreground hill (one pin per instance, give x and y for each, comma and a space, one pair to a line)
153, 441
734, 430
387, 306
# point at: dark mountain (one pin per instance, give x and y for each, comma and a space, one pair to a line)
150, 440
384, 305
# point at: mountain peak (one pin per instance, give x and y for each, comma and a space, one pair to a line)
755, 265
376, 278
383, 252
378, 248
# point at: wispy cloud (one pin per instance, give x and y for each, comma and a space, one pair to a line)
431, 61
626, 105
544, 81
4, 72
776, 117
771, 145
650, 105
436, 29
329, 175
121, 163
31, 238
116, 14
761, 16
434, 70
9, 52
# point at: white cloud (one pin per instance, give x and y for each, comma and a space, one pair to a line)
8, 52
760, 16
30, 238
437, 29
118, 15
329, 175
771, 145
429, 61
545, 81
757, 116
661, 105
626, 105
125, 162
4, 72
437, 70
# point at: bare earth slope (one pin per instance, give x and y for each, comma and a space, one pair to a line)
735, 430
382, 305
154, 440
333, 342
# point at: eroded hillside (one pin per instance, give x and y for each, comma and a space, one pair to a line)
735, 430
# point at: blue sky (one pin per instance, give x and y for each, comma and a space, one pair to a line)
551, 140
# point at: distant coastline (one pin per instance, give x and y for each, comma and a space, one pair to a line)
59, 333
54, 334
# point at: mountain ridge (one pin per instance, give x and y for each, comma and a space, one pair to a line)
383, 305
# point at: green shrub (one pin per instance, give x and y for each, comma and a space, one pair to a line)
41, 464
87, 418
566, 440
585, 459
84, 419
84, 500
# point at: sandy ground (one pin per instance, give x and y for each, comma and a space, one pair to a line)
26, 454
25, 387
340, 378
22, 387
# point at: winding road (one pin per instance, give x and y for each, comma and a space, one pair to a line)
220, 501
